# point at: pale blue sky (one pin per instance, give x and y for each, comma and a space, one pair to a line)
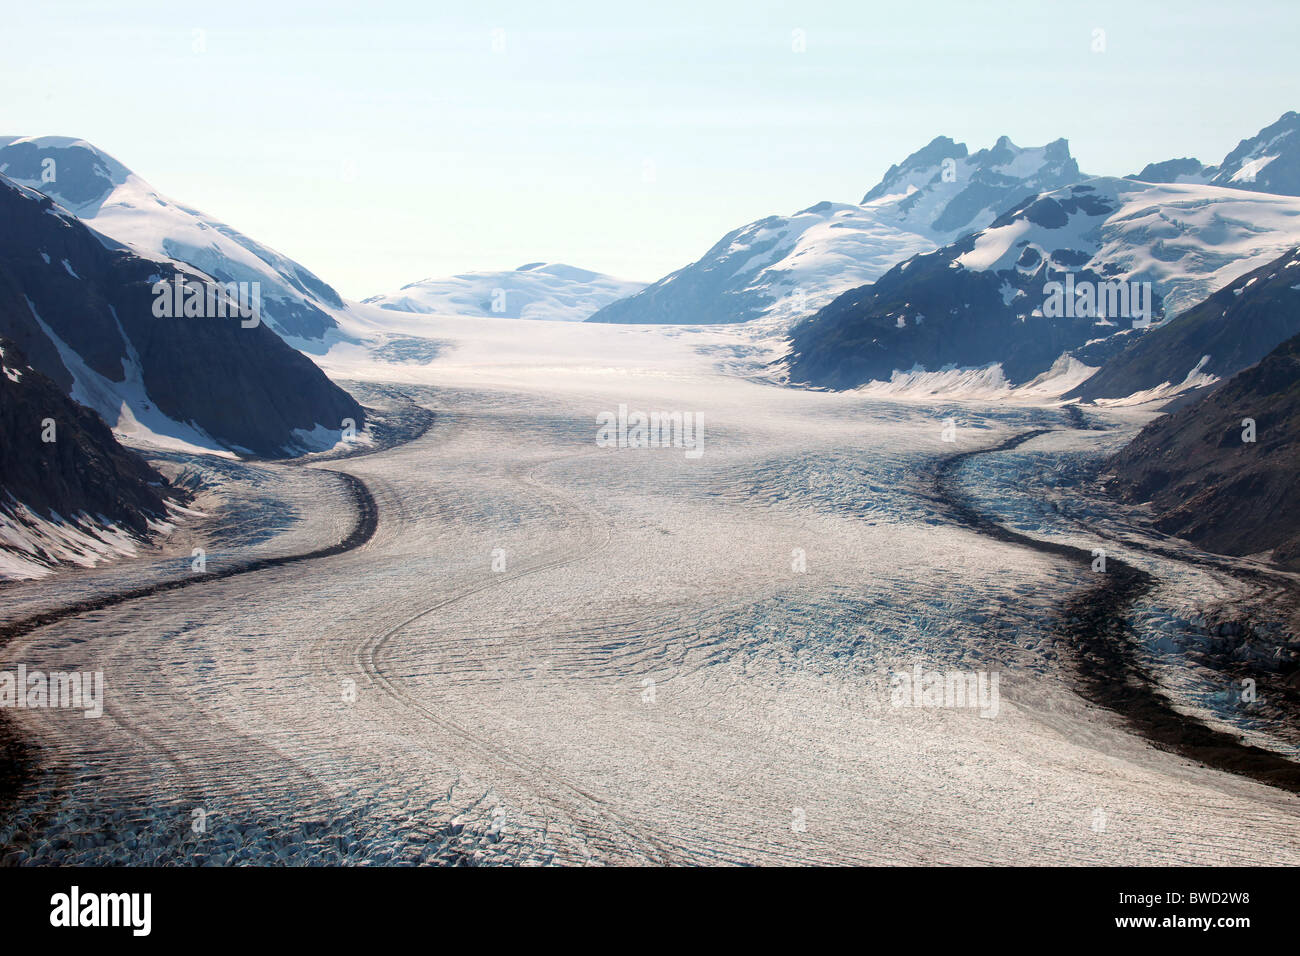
381, 143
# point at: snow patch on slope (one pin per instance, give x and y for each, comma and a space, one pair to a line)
125, 405
1195, 378
32, 546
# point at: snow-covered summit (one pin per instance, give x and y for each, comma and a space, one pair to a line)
536, 290
125, 210
1268, 162
784, 267
1029, 287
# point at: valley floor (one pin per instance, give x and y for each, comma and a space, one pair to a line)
553, 652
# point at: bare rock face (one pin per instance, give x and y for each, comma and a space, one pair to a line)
59, 459
1224, 472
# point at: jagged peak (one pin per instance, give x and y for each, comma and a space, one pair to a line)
941, 148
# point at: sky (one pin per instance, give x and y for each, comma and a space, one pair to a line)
382, 143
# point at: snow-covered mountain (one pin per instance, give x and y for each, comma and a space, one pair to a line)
784, 267
1016, 294
125, 209
1268, 162
1232, 329
1184, 170
86, 316
538, 290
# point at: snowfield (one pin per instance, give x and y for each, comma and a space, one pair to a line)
552, 652
1187, 240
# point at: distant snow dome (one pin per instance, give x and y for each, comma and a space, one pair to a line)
545, 291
